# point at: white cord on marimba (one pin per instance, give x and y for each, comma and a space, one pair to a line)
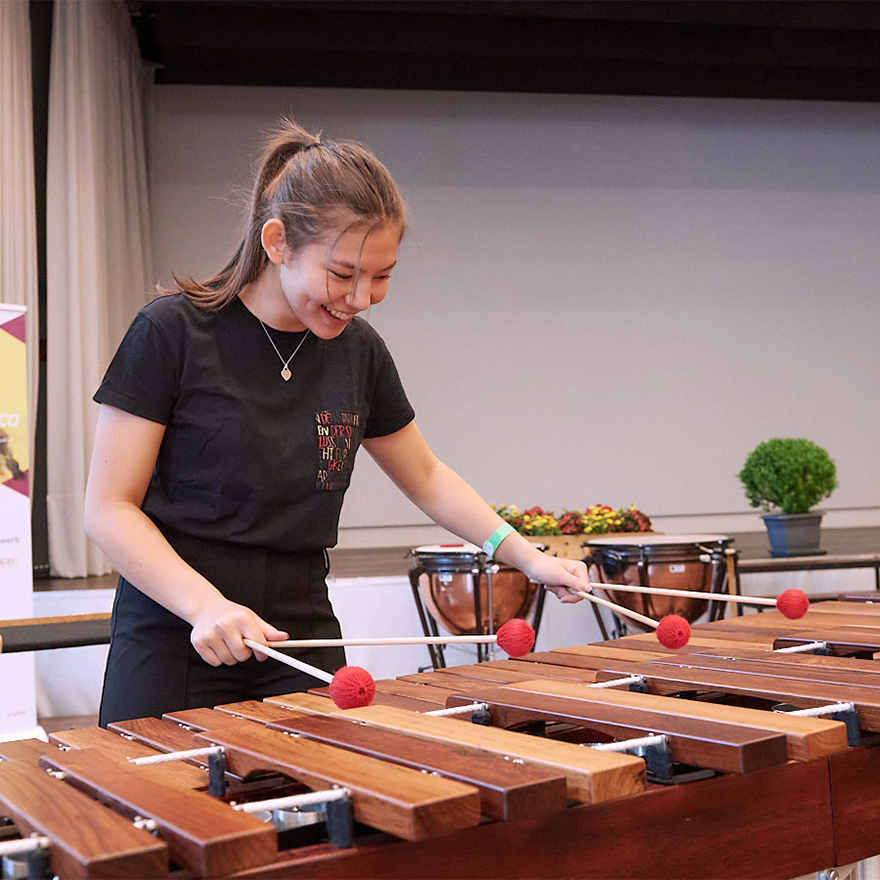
617, 682
25, 845
816, 711
294, 801
624, 746
457, 710
178, 756
802, 649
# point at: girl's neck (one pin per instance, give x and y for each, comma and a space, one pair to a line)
264, 299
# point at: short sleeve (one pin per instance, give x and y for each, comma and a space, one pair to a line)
143, 376
390, 409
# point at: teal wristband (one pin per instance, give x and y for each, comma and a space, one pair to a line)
492, 542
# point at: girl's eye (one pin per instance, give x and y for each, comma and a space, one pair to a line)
340, 275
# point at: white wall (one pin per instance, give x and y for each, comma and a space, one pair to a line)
603, 299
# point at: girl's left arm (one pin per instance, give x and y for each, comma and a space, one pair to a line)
450, 502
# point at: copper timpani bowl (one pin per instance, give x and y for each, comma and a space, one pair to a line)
448, 577
673, 562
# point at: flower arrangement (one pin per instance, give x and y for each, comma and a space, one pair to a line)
534, 521
598, 519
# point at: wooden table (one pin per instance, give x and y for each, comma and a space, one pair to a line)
844, 548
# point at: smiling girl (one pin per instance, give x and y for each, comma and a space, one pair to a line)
229, 421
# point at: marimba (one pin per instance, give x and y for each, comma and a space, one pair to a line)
614, 759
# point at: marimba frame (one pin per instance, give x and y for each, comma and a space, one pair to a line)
785, 818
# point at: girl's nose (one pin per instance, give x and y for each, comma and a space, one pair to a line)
359, 298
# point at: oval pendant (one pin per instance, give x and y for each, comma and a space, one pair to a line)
285, 374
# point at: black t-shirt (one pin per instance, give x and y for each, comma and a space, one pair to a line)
246, 456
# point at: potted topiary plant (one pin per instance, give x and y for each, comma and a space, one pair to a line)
790, 475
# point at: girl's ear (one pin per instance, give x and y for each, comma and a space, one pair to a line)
274, 241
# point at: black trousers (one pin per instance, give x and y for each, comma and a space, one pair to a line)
152, 667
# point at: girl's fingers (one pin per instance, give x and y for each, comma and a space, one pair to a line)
220, 640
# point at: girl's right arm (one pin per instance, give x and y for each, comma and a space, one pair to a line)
124, 456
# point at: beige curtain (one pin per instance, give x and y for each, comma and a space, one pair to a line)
18, 218
98, 253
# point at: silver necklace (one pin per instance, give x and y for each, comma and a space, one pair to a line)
285, 369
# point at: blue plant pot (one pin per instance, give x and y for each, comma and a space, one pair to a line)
794, 534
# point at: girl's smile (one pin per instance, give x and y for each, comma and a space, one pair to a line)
320, 287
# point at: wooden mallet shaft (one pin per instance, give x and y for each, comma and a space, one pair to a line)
289, 661
696, 594
515, 637
350, 687
617, 609
397, 640
673, 631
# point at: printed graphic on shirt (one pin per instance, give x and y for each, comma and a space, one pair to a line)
335, 456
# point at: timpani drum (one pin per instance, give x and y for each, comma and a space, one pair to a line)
459, 585
671, 562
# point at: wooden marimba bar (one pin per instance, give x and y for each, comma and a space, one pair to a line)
712, 782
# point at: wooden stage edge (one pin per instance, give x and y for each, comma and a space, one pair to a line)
67, 722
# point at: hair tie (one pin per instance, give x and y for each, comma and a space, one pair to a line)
310, 146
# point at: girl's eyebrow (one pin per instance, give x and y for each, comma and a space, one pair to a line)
346, 265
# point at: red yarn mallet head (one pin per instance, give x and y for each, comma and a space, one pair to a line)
793, 603
352, 687
515, 637
673, 631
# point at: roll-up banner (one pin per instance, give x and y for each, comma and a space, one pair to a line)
17, 677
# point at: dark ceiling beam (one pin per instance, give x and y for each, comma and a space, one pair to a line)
685, 49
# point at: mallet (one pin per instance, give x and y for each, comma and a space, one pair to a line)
673, 631
350, 688
515, 638
792, 603
353, 686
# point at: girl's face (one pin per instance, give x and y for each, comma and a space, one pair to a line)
326, 283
